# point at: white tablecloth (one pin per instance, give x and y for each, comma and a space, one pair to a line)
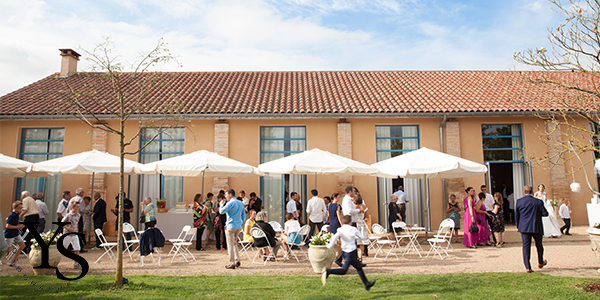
172, 223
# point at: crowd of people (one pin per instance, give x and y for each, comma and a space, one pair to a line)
227, 216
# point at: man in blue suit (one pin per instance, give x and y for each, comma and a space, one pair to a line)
528, 217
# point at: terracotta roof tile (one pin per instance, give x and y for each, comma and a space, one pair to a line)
290, 92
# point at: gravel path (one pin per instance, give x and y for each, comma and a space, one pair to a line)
567, 256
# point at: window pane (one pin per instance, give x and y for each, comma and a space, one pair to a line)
498, 155
272, 132
495, 130
55, 147
272, 145
57, 134
267, 157
495, 143
149, 133
35, 147
36, 134
297, 145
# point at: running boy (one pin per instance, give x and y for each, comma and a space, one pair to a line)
11, 233
348, 235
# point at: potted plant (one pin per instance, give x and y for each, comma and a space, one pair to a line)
35, 255
319, 255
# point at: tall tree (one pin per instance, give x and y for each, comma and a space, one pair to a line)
566, 90
116, 90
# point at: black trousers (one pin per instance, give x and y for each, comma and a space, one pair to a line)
537, 237
199, 233
312, 228
490, 223
31, 218
567, 226
220, 238
350, 258
41, 226
149, 224
98, 226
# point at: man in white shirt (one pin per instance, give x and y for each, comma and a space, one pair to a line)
291, 207
245, 200
348, 209
402, 200
565, 214
348, 235
42, 210
489, 207
63, 206
315, 208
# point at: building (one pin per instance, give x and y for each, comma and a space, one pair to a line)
255, 117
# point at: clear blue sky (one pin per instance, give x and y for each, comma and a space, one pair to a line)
270, 35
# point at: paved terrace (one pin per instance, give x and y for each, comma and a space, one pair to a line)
567, 256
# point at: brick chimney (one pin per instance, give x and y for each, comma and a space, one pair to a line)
68, 65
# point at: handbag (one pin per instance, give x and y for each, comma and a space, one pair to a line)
473, 228
142, 218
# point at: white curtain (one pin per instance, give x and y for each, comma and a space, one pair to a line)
414, 208
412, 187
518, 176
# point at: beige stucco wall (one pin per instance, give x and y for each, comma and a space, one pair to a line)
244, 146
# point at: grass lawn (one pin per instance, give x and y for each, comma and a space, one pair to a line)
447, 286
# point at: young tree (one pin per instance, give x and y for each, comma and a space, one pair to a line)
115, 90
566, 93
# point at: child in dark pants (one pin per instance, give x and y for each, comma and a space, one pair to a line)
348, 235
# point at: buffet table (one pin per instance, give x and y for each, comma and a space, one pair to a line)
172, 223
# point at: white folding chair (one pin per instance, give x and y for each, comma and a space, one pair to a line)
108, 247
448, 222
182, 248
276, 226
257, 233
400, 233
385, 240
245, 245
15, 246
180, 238
304, 230
444, 235
127, 227
372, 240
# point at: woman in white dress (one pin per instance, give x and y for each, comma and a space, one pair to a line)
361, 225
551, 228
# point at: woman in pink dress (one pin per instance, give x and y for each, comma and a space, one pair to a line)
470, 239
484, 233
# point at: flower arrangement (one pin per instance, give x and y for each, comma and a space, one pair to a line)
321, 238
597, 226
46, 236
554, 203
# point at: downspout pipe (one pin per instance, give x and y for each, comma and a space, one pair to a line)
443, 179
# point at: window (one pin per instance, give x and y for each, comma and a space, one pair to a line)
391, 141
278, 142
41, 144
395, 140
168, 143
502, 143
